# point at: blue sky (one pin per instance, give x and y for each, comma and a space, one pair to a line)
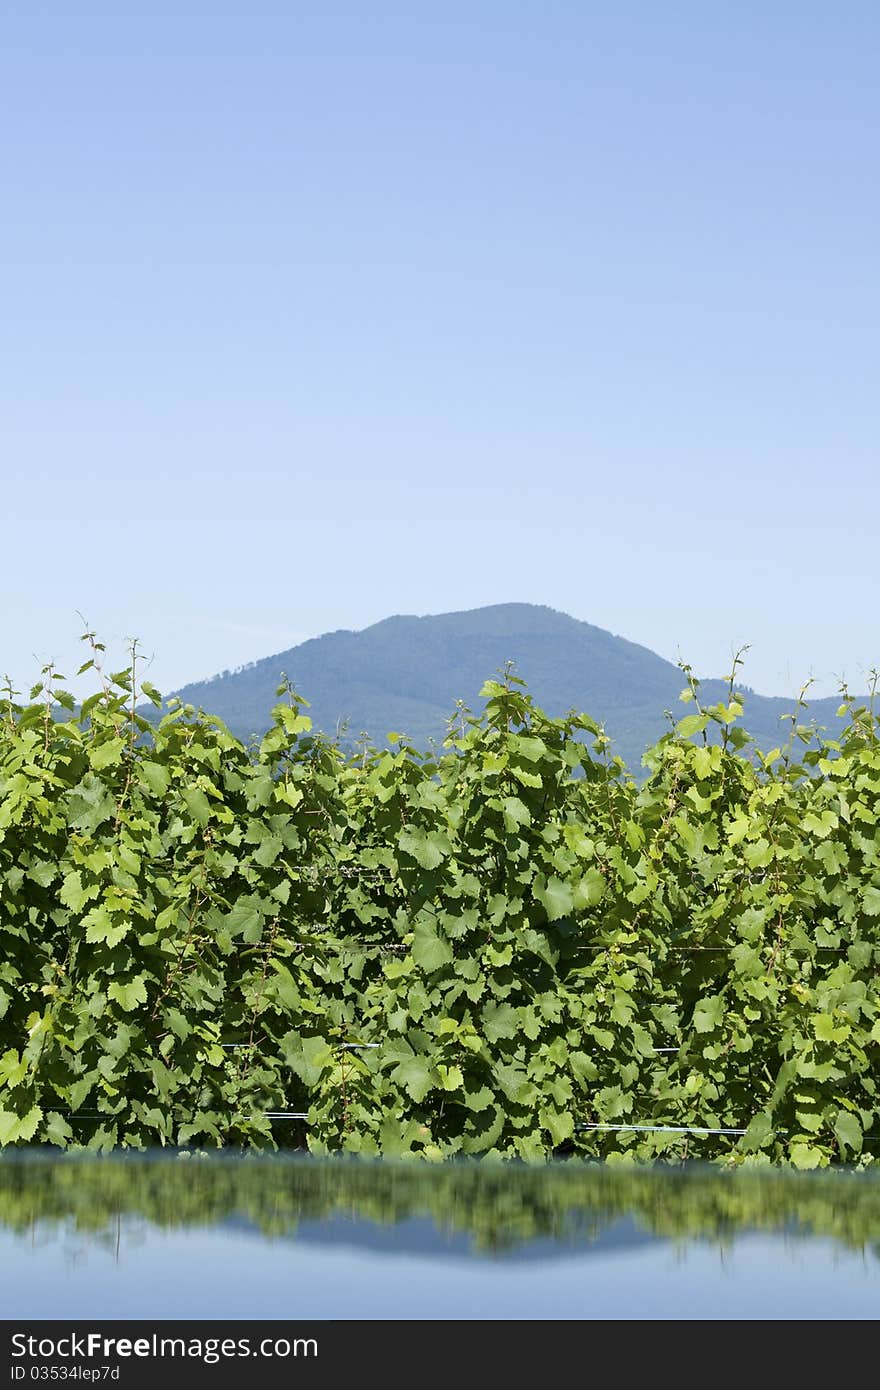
310, 314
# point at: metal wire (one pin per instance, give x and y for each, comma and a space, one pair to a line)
642, 1129
670, 1129
302, 1115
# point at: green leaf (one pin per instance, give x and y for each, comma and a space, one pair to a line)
871, 901
129, 994
499, 1021
691, 724
528, 779
291, 719
451, 1078
578, 841
57, 1130
73, 894
703, 762
516, 813
309, 1057
286, 988
634, 834
590, 889
805, 1156
759, 1133
100, 926
515, 1084
556, 898
27, 1125
429, 850
747, 962
416, 1076
820, 825
738, 738
708, 1013
759, 854
269, 850
179, 1024
826, 1031
156, 777
559, 1124
42, 872
107, 754
848, 1133
532, 749
537, 941
152, 694
245, 920
477, 1098
90, 804
430, 951
197, 804
80, 1089
16, 1128
13, 1069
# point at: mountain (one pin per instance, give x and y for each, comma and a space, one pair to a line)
406, 673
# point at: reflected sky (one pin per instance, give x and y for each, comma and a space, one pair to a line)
214, 1239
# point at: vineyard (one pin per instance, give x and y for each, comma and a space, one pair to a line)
503, 946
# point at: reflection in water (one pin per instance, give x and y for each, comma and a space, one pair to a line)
478, 1208
226, 1237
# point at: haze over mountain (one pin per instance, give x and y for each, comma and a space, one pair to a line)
406, 673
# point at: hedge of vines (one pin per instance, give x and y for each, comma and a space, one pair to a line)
501, 946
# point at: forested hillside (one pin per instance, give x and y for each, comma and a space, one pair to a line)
405, 674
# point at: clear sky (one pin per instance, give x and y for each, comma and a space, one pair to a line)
314, 313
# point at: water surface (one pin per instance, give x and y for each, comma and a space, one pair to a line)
247, 1237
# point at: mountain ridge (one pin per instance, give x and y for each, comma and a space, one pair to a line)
406, 672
